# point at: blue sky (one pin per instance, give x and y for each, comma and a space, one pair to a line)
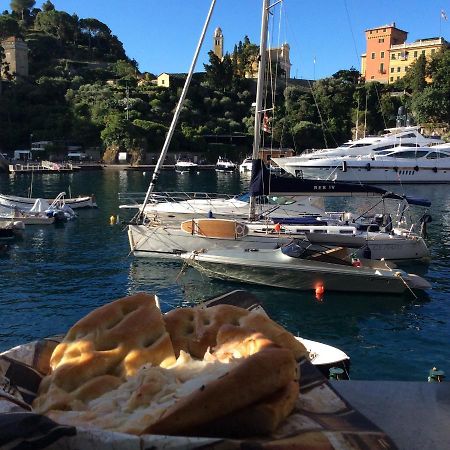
162, 35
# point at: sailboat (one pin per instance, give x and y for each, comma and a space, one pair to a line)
169, 224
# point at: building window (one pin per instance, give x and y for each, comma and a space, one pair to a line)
384, 30
423, 52
415, 54
399, 55
392, 70
373, 56
382, 55
381, 40
398, 69
392, 78
372, 77
162, 81
433, 51
393, 56
398, 78
381, 68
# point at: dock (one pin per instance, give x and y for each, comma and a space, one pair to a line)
42, 167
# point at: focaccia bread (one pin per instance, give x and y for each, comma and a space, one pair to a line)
102, 349
185, 397
193, 330
219, 371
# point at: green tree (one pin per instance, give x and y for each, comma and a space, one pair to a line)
415, 78
56, 23
20, 6
48, 6
8, 27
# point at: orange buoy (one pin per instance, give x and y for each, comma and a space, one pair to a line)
277, 227
320, 290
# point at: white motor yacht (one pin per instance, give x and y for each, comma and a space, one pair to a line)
398, 165
246, 166
317, 163
185, 165
225, 165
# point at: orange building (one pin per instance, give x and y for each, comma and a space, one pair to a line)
375, 63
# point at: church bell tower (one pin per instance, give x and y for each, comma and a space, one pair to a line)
218, 43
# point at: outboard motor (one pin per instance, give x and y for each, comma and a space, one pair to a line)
424, 220
387, 223
367, 253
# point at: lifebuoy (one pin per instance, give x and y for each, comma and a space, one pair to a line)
239, 229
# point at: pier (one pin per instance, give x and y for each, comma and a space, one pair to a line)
42, 167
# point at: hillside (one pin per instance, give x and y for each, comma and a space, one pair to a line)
83, 89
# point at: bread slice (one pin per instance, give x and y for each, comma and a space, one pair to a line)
193, 330
102, 349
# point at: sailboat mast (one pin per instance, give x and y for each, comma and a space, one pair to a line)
259, 93
177, 112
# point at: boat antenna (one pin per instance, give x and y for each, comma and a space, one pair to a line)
259, 95
169, 135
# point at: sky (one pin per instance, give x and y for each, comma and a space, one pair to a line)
324, 35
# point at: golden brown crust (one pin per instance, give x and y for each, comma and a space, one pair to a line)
107, 345
193, 330
258, 419
255, 378
115, 369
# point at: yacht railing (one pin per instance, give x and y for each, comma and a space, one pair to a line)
137, 198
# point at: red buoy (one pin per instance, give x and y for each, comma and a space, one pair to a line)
320, 290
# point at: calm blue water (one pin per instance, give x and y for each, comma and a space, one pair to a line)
56, 275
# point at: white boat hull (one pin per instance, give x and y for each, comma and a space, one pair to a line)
273, 268
368, 171
25, 203
169, 240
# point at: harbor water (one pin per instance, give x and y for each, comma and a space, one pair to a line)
57, 274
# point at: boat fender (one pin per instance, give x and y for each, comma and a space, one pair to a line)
356, 262
319, 291
368, 166
434, 169
344, 166
277, 227
112, 220
416, 168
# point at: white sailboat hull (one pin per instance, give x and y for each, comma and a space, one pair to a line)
169, 240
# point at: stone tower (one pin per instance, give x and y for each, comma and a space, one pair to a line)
16, 56
218, 43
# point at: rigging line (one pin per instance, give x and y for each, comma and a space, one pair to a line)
381, 109
351, 31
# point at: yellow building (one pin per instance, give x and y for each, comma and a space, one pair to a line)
163, 80
388, 56
401, 56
